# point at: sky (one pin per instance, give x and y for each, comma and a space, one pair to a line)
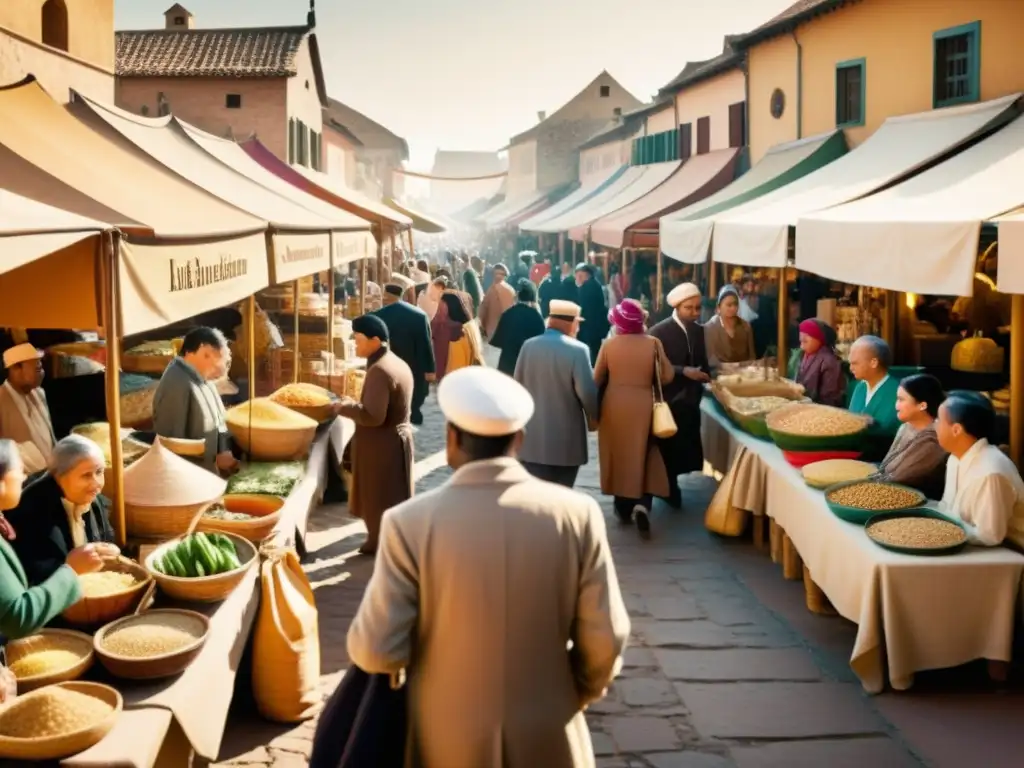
469, 74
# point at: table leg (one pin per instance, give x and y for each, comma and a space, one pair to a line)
792, 565
775, 541
817, 602
760, 532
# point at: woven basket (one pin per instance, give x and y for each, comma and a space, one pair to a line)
160, 522
267, 511
65, 638
815, 598
95, 611
203, 589
152, 667
66, 744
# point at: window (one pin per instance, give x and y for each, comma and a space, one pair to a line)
851, 84
233, 101
957, 65
685, 141
703, 135
292, 154
606, 91
163, 106
179, 21
55, 24
738, 124
144, 111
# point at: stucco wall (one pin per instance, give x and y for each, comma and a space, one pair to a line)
895, 39
711, 98
522, 169
57, 72
665, 120
303, 101
599, 161
90, 27
339, 158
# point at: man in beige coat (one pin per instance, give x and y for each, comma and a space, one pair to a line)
497, 594
499, 297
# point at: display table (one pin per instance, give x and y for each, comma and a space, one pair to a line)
912, 613
167, 722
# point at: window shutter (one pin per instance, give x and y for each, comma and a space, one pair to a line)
737, 124
634, 157
685, 141
291, 141
703, 135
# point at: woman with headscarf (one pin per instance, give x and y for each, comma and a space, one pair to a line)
817, 367
430, 298
517, 325
471, 285
632, 468
456, 336
728, 338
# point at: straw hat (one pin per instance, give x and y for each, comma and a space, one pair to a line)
161, 478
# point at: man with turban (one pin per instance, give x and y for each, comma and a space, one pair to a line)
382, 447
409, 331
484, 578
683, 340
516, 325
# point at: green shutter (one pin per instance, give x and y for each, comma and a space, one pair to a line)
634, 157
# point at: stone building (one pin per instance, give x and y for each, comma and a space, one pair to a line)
382, 151
237, 82
65, 44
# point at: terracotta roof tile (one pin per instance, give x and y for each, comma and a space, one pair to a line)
246, 52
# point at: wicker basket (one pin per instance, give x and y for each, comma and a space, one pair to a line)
77, 642
815, 598
203, 589
67, 744
152, 667
266, 509
95, 611
161, 522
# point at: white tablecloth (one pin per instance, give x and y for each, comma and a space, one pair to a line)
912, 613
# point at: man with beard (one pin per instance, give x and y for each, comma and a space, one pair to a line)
593, 308
683, 339
409, 330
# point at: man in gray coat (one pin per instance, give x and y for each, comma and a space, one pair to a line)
555, 369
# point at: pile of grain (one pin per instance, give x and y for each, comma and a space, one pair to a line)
264, 413
813, 420
302, 395
103, 583
47, 660
156, 637
822, 474
753, 406
51, 711
874, 496
917, 533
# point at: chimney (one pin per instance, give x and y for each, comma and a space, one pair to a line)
541, 116
178, 18
617, 112
311, 16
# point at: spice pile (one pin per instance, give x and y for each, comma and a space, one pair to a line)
220, 512
51, 711
103, 583
813, 420
149, 638
47, 660
264, 413
875, 496
301, 395
917, 533
99, 433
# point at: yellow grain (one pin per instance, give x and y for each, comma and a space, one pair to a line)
52, 711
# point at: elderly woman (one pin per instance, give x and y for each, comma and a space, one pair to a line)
915, 458
818, 368
62, 511
728, 338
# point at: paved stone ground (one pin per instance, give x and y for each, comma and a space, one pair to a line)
713, 677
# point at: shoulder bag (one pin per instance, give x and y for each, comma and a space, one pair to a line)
663, 426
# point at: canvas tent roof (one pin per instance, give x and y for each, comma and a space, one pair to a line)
578, 214
685, 235
421, 222
497, 215
1011, 252
30, 230
653, 176
756, 234
921, 235
698, 177
577, 197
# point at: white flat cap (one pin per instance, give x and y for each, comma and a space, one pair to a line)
681, 293
562, 308
484, 402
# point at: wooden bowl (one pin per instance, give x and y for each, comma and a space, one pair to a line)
265, 509
95, 611
183, 447
45, 638
66, 744
152, 667
203, 589
273, 444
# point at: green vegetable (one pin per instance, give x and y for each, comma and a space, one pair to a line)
270, 478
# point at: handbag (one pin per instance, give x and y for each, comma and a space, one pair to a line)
663, 426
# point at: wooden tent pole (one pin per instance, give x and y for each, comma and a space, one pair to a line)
330, 307
412, 248
295, 331
112, 328
1017, 379
658, 281
561, 249
251, 346
712, 278
782, 343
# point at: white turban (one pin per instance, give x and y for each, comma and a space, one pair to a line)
681, 293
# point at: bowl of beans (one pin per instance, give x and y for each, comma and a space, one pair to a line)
857, 501
917, 532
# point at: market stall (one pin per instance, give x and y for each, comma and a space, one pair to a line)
582, 194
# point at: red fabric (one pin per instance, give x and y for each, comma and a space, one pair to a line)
538, 272
627, 317
813, 329
6, 529
800, 459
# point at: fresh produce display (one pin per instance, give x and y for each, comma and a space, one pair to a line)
813, 420
103, 583
917, 533
200, 554
52, 711
271, 478
307, 395
875, 496
154, 635
822, 474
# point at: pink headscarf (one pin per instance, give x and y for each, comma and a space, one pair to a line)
627, 317
813, 329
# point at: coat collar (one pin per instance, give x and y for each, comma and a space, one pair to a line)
502, 471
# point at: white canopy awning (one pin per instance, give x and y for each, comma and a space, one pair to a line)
30, 230
921, 235
756, 234
577, 197
583, 213
1011, 252
653, 176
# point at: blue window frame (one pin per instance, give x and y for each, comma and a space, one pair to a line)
851, 93
957, 65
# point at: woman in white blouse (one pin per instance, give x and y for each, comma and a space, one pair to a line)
983, 487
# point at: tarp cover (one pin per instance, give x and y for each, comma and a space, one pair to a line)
1011, 252
421, 222
699, 176
685, 235
921, 235
756, 234
581, 214
577, 197
30, 230
653, 176
497, 215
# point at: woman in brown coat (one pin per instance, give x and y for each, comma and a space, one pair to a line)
382, 447
632, 469
728, 338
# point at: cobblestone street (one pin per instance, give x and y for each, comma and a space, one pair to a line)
713, 677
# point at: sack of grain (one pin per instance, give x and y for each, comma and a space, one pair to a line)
822, 474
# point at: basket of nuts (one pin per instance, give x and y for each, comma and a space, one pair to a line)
814, 427
857, 501
917, 532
